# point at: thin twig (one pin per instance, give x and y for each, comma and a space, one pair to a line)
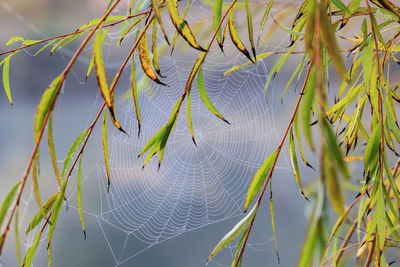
39, 137
279, 149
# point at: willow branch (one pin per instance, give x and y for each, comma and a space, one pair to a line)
39, 137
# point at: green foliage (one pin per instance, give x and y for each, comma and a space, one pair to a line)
364, 111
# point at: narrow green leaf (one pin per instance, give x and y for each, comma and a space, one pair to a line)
204, 96
79, 196
271, 209
159, 19
71, 152
45, 46
307, 106
6, 77
54, 216
183, 17
45, 105
329, 39
381, 217
259, 179
235, 35
52, 150
102, 78
152, 141
30, 253
20, 39
105, 149
182, 26
332, 183
236, 230
264, 19
334, 149
296, 126
293, 161
217, 19
371, 152
7, 202
250, 27
17, 242
238, 248
144, 56
39, 215
189, 114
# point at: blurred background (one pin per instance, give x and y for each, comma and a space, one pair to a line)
171, 217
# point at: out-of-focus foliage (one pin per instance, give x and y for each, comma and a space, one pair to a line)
363, 111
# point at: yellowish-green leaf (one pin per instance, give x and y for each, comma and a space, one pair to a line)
71, 152
6, 77
39, 216
30, 253
105, 149
217, 19
264, 19
189, 114
144, 57
7, 202
22, 40
152, 141
296, 126
35, 182
79, 196
371, 152
183, 17
260, 56
52, 150
135, 92
271, 211
17, 242
334, 149
182, 26
293, 161
259, 179
45, 46
329, 39
307, 105
250, 27
100, 69
238, 248
46, 104
159, 19
96, 21
332, 183
381, 217
236, 230
54, 216
235, 35
204, 96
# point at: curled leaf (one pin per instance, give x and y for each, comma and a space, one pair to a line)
182, 26
235, 35
6, 77
144, 57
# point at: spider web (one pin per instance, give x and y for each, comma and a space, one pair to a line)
195, 186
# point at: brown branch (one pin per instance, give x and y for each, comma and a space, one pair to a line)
73, 33
279, 149
39, 137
